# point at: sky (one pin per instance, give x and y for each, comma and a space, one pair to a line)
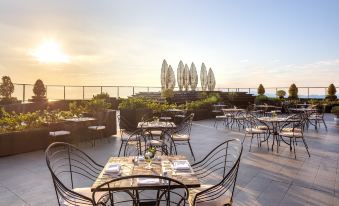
245, 42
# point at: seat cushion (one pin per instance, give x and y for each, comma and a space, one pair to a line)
255, 131
222, 200
59, 133
262, 127
154, 142
97, 127
221, 116
180, 137
290, 129
129, 138
291, 134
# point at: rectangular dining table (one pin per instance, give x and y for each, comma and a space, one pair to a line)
129, 167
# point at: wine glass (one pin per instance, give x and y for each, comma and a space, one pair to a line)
148, 158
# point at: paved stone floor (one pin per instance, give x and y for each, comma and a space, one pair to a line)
265, 178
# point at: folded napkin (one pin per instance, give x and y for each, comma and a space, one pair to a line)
113, 168
148, 181
181, 165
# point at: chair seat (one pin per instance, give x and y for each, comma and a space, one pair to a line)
262, 127
97, 127
290, 129
222, 200
291, 134
315, 117
180, 137
221, 116
155, 143
255, 131
156, 133
59, 133
180, 116
86, 191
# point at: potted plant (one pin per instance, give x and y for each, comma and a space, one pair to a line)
39, 91
261, 90
335, 111
331, 91
293, 92
281, 94
6, 91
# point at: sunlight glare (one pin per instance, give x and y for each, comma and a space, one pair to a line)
50, 52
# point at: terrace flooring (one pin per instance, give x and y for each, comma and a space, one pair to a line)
265, 178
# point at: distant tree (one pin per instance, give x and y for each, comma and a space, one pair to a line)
39, 88
6, 87
331, 91
261, 90
281, 94
293, 92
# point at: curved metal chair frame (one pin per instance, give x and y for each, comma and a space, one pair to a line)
171, 191
296, 132
68, 166
184, 128
220, 166
254, 129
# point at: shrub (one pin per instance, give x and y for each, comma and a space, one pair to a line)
261, 90
142, 103
281, 94
260, 99
335, 111
168, 94
293, 92
39, 90
76, 109
204, 103
331, 91
96, 105
103, 95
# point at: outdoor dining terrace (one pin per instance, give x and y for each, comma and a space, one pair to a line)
264, 177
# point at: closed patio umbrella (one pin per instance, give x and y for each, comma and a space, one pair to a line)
170, 78
164, 69
210, 80
180, 75
203, 77
193, 77
186, 77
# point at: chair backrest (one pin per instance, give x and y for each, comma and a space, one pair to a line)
135, 144
185, 126
71, 168
124, 190
219, 167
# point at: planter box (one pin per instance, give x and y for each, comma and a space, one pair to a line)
23, 141
133, 116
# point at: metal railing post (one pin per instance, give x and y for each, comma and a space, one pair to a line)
308, 92
118, 92
249, 90
147, 89
133, 90
46, 91
64, 92
23, 92
83, 92
100, 89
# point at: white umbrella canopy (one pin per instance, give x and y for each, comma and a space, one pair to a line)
180, 75
193, 77
186, 77
210, 80
203, 77
170, 78
164, 69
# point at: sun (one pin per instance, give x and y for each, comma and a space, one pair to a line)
50, 51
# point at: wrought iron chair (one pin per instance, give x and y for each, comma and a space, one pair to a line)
71, 169
127, 191
182, 134
317, 118
294, 131
218, 171
255, 128
128, 134
97, 130
59, 132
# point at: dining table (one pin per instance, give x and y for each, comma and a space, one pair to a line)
275, 123
160, 164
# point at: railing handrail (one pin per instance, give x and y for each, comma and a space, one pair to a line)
251, 90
